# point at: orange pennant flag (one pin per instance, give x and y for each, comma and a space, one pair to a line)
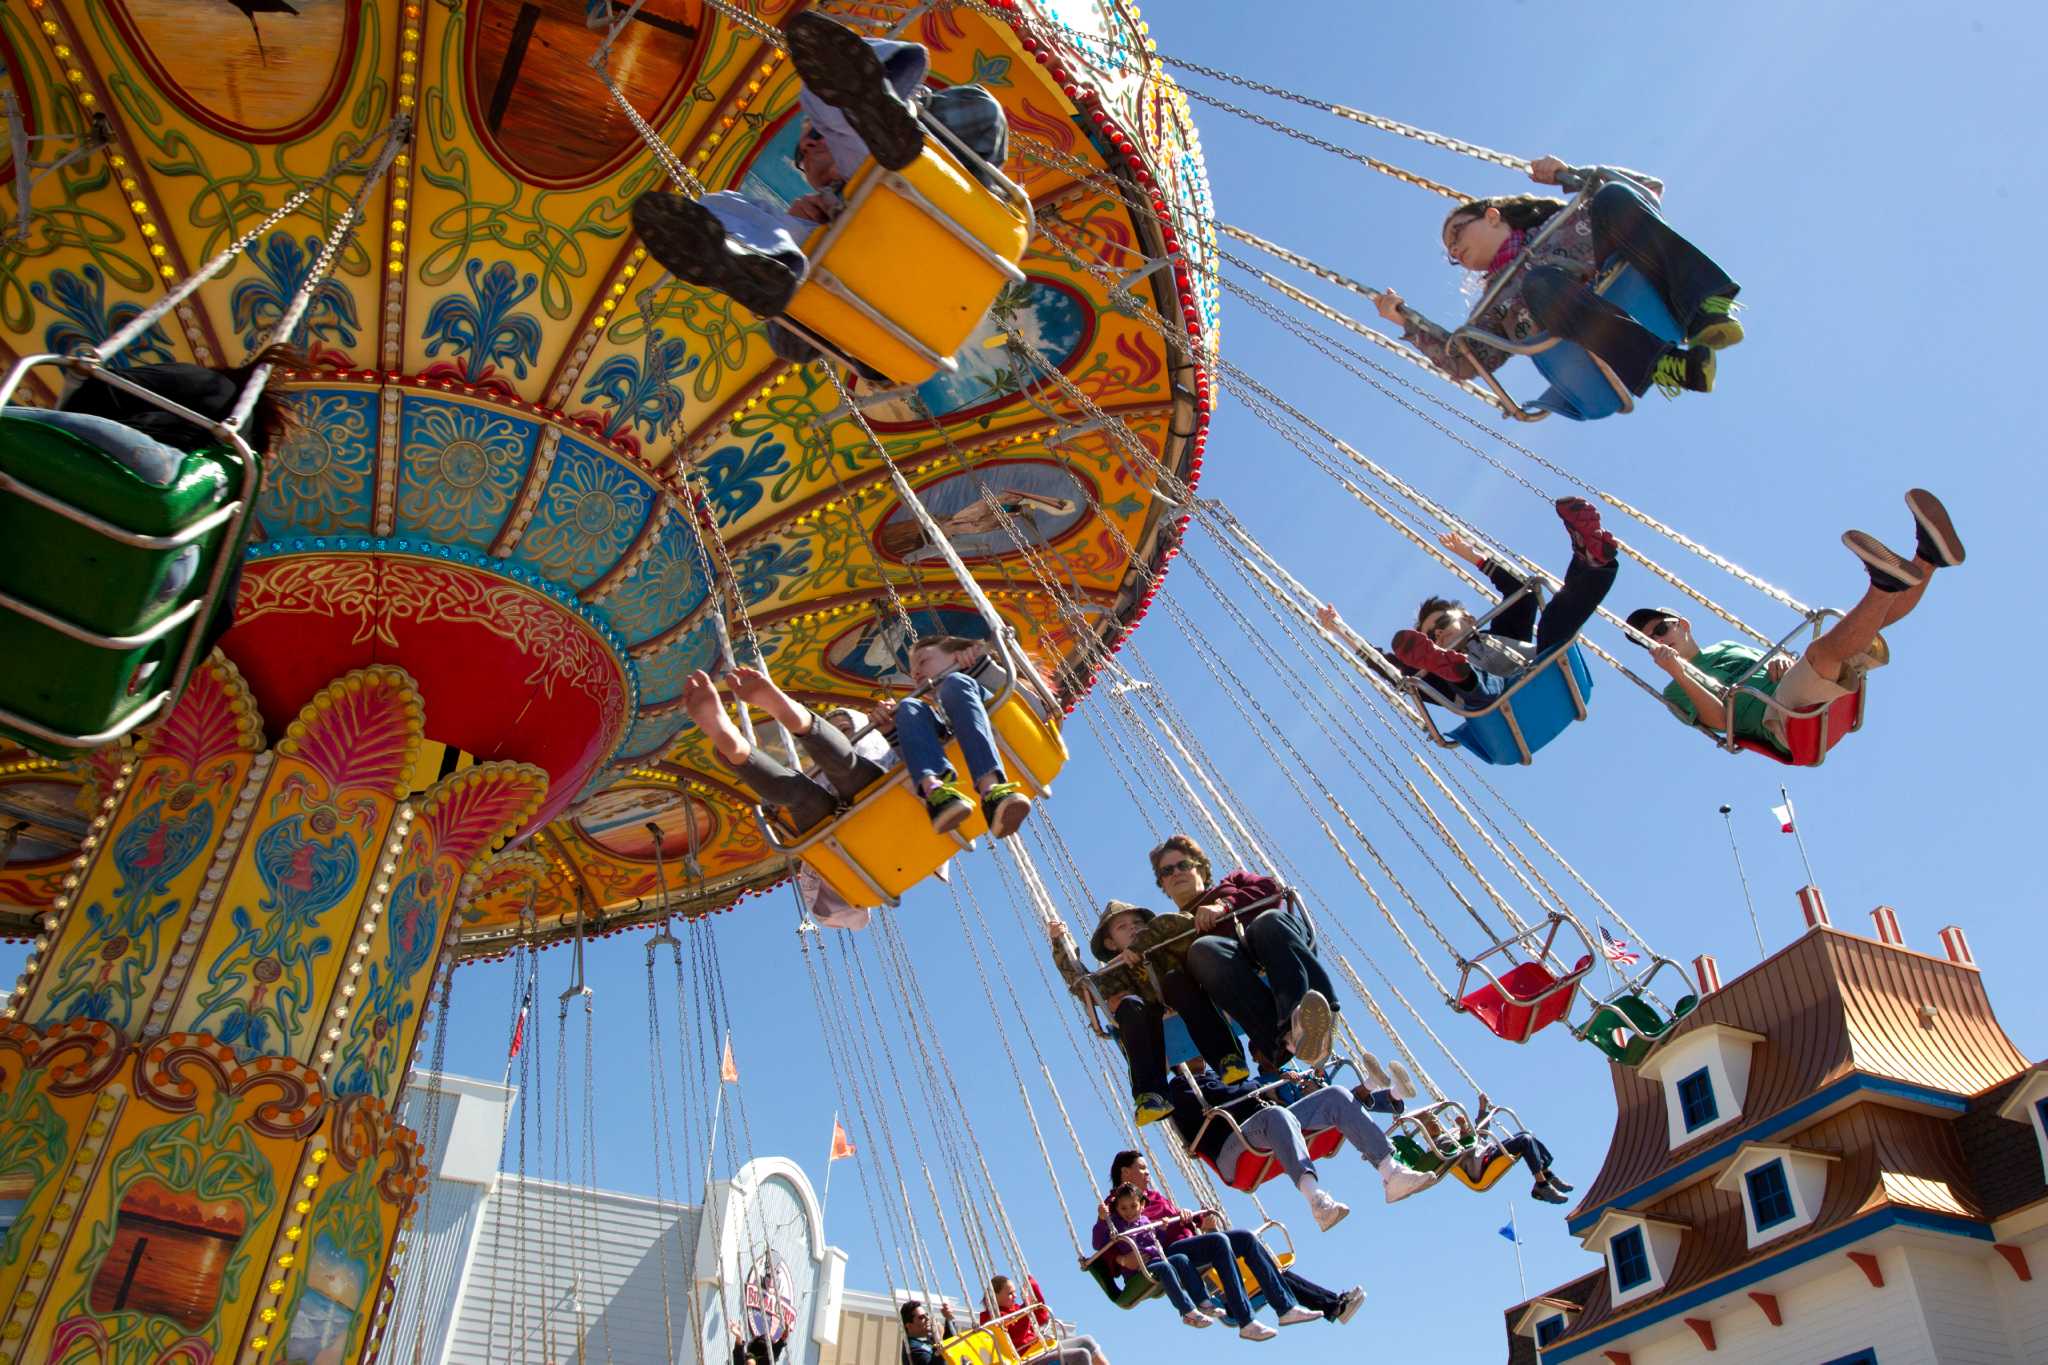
842, 1145
728, 1070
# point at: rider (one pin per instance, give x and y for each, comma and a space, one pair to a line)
1263, 1124
1287, 1010
1704, 678
940, 662
1023, 1327
920, 1343
1479, 664
1146, 976
1474, 1153
860, 99
1555, 292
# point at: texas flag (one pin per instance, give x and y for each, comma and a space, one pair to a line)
1783, 815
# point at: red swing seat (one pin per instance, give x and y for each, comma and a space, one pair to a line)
1811, 733
1255, 1167
1527, 998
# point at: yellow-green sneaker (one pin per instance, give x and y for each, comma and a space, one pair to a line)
1233, 1070
1714, 325
948, 807
1152, 1108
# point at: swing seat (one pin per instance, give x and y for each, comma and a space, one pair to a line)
1501, 1164
110, 580
1135, 1288
1534, 709
1250, 1280
1417, 1156
1581, 387
883, 843
1255, 1167
904, 275
979, 1346
1528, 997
1811, 733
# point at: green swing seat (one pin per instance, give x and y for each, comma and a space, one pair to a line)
1628, 1027
110, 584
1135, 1287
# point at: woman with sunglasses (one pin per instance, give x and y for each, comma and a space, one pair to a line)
1253, 956
1554, 292
1704, 678
1479, 663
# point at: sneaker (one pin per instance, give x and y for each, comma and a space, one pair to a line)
1348, 1306
1400, 1182
1547, 1192
1714, 325
1425, 655
1233, 1070
1935, 539
1690, 370
1326, 1210
1194, 1318
1561, 1186
1004, 806
948, 807
837, 65
1298, 1314
1582, 522
1151, 1108
692, 245
1213, 1309
1403, 1084
1309, 1037
1257, 1331
1372, 1073
1890, 571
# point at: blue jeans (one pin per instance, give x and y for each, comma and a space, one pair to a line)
920, 735
1275, 943
1284, 1132
1179, 1278
1219, 1251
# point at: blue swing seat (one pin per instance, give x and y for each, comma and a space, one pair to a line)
1535, 709
1581, 387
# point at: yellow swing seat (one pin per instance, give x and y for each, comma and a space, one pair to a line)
883, 843
911, 266
1501, 1164
979, 1346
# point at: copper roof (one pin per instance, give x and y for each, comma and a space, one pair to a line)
1521, 1349
1829, 1005
2003, 1156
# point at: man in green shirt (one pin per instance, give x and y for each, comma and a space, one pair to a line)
1704, 678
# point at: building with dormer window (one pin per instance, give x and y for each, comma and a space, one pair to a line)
1838, 1159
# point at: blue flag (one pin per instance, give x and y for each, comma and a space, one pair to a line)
1507, 1230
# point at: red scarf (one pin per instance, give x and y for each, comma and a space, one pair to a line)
1509, 249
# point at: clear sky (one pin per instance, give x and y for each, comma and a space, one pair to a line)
1873, 178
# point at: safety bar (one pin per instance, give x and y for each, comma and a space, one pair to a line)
228, 518
1545, 954
1126, 1237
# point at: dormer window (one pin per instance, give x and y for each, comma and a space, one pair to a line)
2028, 1104
1781, 1187
1641, 1250
1705, 1075
1696, 1106
1549, 1329
1546, 1319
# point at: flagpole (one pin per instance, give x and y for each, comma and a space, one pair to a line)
1748, 899
1520, 1278
1799, 838
825, 1200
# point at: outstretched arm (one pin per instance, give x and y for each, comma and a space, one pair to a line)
1434, 340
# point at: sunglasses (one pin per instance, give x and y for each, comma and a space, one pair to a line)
1165, 870
1663, 627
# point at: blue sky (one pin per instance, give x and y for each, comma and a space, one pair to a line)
1875, 186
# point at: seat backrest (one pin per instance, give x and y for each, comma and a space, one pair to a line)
1579, 389
1543, 709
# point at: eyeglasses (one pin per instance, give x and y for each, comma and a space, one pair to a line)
1162, 871
1453, 235
1663, 627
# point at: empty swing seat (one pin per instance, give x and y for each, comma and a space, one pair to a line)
904, 275
108, 584
883, 843
1628, 1027
1526, 998
1535, 709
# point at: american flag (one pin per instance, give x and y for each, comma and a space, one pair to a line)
1617, 949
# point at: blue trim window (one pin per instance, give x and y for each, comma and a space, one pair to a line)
1631, 1259
1696, 1105
1860, 1358
1770, 1198
1550, 1329
2041, 1112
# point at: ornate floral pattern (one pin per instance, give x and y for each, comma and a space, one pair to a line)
644, 391
736, 477
590, 512
486, 329
257, 306
668, 585
460, 467
318, 478
86, 318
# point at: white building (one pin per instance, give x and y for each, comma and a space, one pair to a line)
502, 1269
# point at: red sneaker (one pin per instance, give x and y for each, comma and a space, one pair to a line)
1582, 522
1424, 655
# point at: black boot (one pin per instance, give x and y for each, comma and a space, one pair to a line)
692, 245
838, 66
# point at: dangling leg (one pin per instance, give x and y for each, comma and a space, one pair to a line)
1138, 1027
924, 754
1206, 1026
807, 802
1568, 308
725, 242
1301, 988
1227, 974
824, 743
870, 81
1697, 291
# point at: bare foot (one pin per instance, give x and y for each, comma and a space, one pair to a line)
701, 700
756, 688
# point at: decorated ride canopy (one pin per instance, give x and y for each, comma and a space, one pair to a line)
513, 417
